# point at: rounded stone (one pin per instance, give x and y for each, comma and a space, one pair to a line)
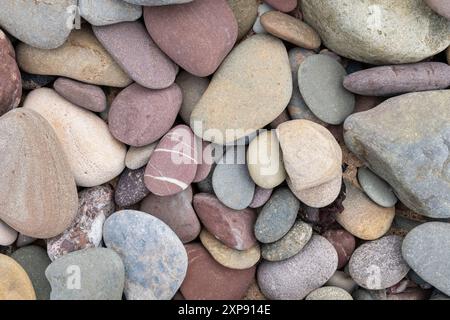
10, 78
282, 5
206, 159
131, 188
329, 293
37, 190
376, 188
23, 240
296, 277
288, 246
34, 260
342, 280
14, 281
344, 243
192, 88
378, 264
441, 7
230, 258
260, 197
84, 95
7, 234
320, 81
206, 279
264, 160
277, 216
245, 12
157, 2
105, 12
154, 258
137, 157
290, 29
231, 227
94, 155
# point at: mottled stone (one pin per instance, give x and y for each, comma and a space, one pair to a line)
376, 188
245, 12
14, 281
344, 243
131, 188
105, 12
192, 88
10, 79
329, 293
137, 157
84, 95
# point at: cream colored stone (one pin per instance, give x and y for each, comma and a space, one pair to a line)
7, 234
14, 281
137, 157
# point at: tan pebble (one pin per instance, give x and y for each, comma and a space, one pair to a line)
137, 157
14, 281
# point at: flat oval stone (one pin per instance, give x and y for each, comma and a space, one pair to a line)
425, 249
133, 49
105, 12
245, 94
197, 35
38, 195
84, 95
131, 188
380, 31
260, 197
379, 264
264, 160
176, 211
362, 217
90, 274
34, 260
296, 277
94, 206
140, 116
206, 279
137, 157
329, 293
10, 79
154, 258
290, 29
192, 88
173, 164
320, 81
94, 155
81, 58
441, 7
282, 5
230, 258
231, 227
7, 234
44, 25
14, 282
245, 12
277, 216
344, 243
291, 243
376, 188
392, 80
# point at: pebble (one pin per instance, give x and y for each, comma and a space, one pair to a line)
234, 100
389, 136
344, 243
156, 2
441, 7
38, 194
206, 279
362, 217
206, 159
205, 185
260, 197
192, 88
35, 81
132, 48
425, 250
197, 36
81, 58
257, 26
290, 29
90, 274
176, 211
106, 12
44, 25
10, 79
23, 240
131, 188
320, 81
173, 164
295, 278
290, 244
137, 157
231, 227
93, 161
34, 260
376, 188
277, 216
379, 264
264, 160
94, 206
329, 293
312, 159
342, 280
380, 31
154, 258
14, 282
84, 95
230, 258
245, 12
7, 234
398, 79
282, 5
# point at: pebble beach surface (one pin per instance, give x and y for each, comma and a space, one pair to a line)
224, 149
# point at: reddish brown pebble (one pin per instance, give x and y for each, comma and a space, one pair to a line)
176, 211
140, 116
10, 80
197, 35
206, 162
173, 164
88, 96
260, 197
131, 188
206, 279
282, 5
343, 242
234, 228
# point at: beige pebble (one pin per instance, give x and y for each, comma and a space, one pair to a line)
7, 234
137, 157
14, 281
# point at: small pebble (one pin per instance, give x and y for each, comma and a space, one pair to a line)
131, 188
137, 157
376, 188
260, 197
7, 234
329, 293
84, 95
344, 243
